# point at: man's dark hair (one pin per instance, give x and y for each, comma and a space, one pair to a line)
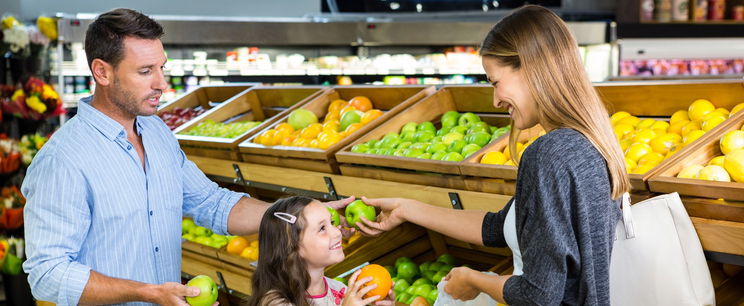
104, 38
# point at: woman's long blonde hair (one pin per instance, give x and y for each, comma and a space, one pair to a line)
537, 42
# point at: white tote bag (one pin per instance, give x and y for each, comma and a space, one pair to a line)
657, 258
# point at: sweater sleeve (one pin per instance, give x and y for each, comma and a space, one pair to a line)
492, 230
545, 193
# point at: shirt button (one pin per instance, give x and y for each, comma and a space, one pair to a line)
129, 147
157, 249
121, 134
151, 213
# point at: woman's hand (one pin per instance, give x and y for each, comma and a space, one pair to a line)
391, 215
346, 230
355, 292
459, 285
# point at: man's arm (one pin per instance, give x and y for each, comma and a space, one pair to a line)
245, 216
103, 290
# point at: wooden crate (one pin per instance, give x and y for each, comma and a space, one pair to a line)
206, 96
700, 153
476, 99
664, 98
390, 99
266, 104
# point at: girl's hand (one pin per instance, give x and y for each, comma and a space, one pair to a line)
355, 293
391, 215
458, 284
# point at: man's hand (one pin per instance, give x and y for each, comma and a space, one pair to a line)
172, 294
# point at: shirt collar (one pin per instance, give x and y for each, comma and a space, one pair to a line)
103, 123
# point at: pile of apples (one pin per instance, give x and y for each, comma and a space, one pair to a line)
724, 168
222, 130
201, 235
460, 136
242, 247
178, 116
647, 142
303, 129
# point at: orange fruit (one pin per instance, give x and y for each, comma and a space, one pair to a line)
268, 137
237, 245
370, 115
353, 128
380, 276
361, 103
311, 131
250, 253
285, 127
336, 106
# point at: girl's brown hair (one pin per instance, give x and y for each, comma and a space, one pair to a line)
281, 276
537, 43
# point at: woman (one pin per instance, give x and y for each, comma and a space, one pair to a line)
560, 223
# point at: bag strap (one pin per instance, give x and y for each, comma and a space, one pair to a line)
627, 217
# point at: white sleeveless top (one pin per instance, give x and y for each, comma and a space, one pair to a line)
510, 235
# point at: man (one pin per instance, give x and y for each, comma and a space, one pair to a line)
107, 193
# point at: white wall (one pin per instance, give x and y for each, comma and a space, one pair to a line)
237, 8
10, 6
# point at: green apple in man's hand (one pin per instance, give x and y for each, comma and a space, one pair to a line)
356, 210
207, 291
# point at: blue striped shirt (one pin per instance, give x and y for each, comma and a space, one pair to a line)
91, 205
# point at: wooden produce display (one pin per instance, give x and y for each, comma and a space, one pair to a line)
700, 153
265, 104
389, 99
476, 99
206, 96
657, 100
201, 259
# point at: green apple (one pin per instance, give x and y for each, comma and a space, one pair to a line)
419, 146
402, 297
400, 152
400, 286
436, 147
372, 143
341, 280
467, 119
301, 118
373, 151
202, 231
219, 240
421, 281
215, 243
407, 270
432, 296
450, 118
425, 266
435, 266
207, 291
451, 137
410, 290
360, 148
492, 129
410, 300
390, 143
460, 129
438, 276
447, 259
427, 126
188, 236
356, 210
412, 153
436, 139
424, 289
429, 274
391, 270
443, 131
456, 146
401, 260
469, 149
409, 127
203, 240
187, 225
388, 152
424, 136
479, 138
408, 136
446, 268
391, 135
350, 118
404, 145
335, 218
453, 156
438, 155
424, 156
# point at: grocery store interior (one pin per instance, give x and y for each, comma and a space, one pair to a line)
380, 81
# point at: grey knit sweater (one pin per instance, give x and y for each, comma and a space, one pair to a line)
565, 220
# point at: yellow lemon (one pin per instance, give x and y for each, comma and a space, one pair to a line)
734, 164
637, 150
630, 165
736, 109
723, 111
680, 115
617, 116
732, 141
690, 172
625, 143
493, 158
630, 120
712, 122
714, 173
690, 126
662, 144
652, 158
718, 161
674, 149
622, 130
510, 163
660, 126
699, 109
644, 136
645, 124
692, 136
676, 127
642, 169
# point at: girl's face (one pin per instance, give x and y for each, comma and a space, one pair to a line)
320, 243
510, 91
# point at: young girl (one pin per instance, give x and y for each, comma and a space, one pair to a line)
297, 242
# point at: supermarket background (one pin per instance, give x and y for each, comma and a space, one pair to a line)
414, 60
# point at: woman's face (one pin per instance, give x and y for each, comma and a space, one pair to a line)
510, 92
320, 244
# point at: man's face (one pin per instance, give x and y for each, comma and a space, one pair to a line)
139, 80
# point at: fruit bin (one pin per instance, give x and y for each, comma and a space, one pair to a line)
266, 104
667, 97
476, 99
389, 99
204, 98
701, 153
201, 259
